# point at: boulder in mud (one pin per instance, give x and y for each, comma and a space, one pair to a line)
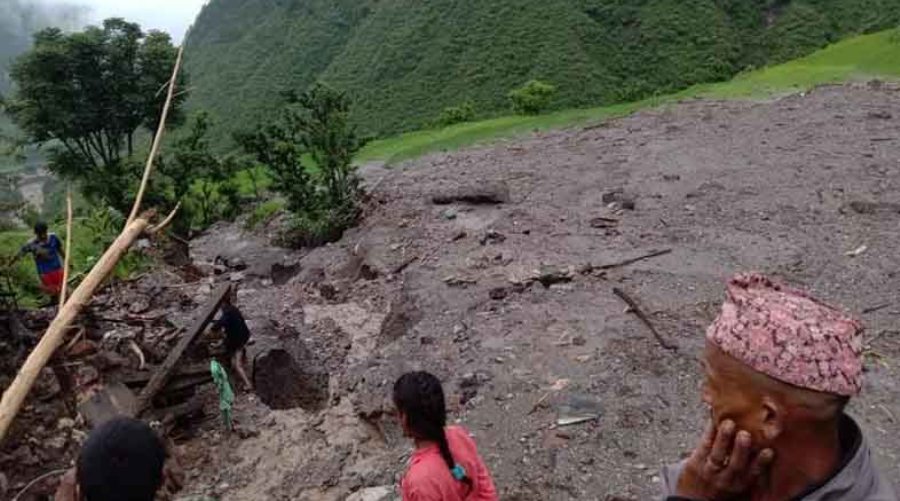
286, 376
476, 194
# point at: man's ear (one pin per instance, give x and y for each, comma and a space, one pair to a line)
772, 415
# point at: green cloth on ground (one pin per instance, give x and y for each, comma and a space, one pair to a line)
226, 395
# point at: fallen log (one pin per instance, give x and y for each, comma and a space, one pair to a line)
164, 372
632, 304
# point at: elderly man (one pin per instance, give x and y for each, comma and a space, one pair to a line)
780, 369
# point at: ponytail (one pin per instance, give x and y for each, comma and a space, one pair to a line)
420, 396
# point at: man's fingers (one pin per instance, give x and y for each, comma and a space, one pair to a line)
740, 455
761, 463
722, 445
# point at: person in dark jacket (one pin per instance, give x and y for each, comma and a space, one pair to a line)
236, 335
780, 370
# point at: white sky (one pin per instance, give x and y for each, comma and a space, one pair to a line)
171, 16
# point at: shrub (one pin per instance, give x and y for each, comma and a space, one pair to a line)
456, 114
532, 98
309, 150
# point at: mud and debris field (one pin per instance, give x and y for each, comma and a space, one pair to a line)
506, 293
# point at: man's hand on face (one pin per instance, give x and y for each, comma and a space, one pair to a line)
722, 467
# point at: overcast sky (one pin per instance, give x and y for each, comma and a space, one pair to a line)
171, 16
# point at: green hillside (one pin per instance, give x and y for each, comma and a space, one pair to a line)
859, 58
406, 60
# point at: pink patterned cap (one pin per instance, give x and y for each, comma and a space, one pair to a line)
788, 335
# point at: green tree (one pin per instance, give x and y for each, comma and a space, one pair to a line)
532, 98
202, 181
312, 134
87, 94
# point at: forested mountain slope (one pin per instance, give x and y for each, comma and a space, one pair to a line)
406, 60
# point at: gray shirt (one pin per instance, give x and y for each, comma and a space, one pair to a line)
858, 479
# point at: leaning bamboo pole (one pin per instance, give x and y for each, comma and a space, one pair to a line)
157, 139
65, 282
15, 395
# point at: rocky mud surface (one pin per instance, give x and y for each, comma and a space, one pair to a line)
495, 268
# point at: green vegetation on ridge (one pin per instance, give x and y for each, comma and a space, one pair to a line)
867, 56
405, 61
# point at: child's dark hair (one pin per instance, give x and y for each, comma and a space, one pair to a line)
122, 460
420, 396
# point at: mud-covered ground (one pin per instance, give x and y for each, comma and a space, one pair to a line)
806, 188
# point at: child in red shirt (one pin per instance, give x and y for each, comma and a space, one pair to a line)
445, 465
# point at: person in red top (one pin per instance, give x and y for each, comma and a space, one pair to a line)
445, 465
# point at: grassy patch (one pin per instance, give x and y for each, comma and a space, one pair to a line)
866, 56
264, 213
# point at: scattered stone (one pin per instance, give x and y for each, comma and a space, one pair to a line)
455, 281
619, 199
578, 409
314, 275
550, 275
579, 341
869, 208
603, 222
461, 234
671, 177
449, 214
477, 194
65, 424
381, 493
492, 237
328, 291
880, 115
498, 293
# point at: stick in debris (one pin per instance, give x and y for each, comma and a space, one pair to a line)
643, 317
65, 281
630, 261
162, 374
873, 309
15, 394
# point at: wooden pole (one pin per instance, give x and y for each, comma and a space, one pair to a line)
157, 139
14, 396
65, 282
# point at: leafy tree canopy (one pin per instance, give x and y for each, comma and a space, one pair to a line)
86, 95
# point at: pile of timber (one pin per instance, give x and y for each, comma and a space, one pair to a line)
162, 393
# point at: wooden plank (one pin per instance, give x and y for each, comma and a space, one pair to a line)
161, 377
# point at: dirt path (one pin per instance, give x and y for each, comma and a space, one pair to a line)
787, 187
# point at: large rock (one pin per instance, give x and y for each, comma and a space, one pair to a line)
476, 194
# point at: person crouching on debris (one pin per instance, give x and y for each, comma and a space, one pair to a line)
122, 460
780, 369
237, 334
48, 256
445, 465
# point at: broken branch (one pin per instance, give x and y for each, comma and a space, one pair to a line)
627, 262
157, 140
166, 222
643, 317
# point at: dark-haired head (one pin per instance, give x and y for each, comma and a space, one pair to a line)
122, 460
419, 398
40, 229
